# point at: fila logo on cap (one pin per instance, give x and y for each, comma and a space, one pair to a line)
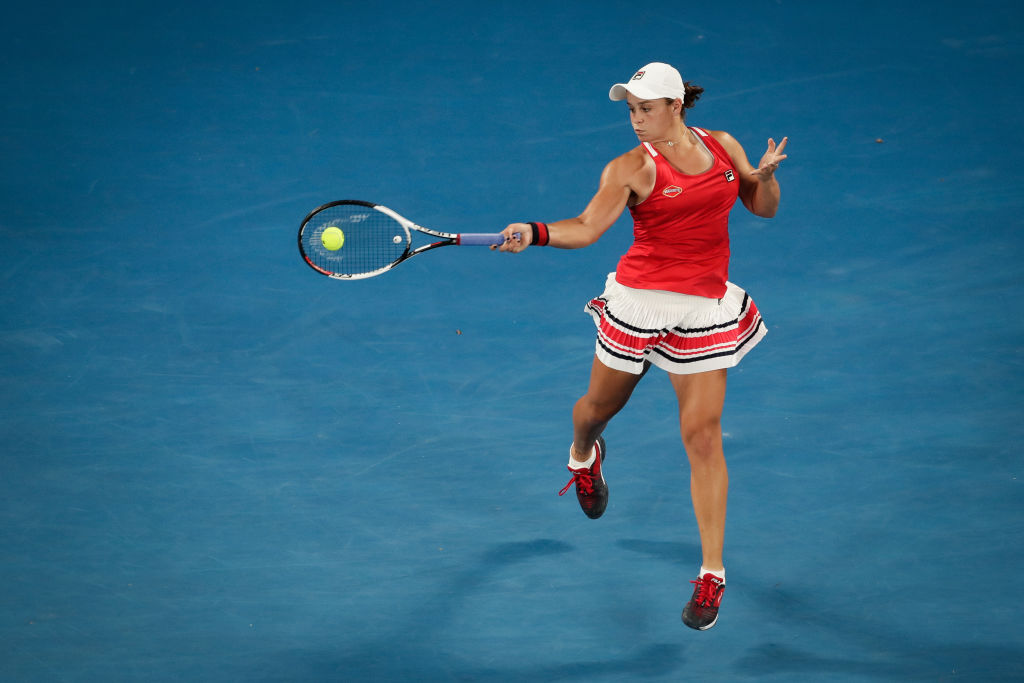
639, 75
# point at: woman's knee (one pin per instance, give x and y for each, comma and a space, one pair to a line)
598, 410
702, 436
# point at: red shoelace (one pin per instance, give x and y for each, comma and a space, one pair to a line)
707, 591
585, 478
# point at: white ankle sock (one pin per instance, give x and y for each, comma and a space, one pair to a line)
576, 464
719, 573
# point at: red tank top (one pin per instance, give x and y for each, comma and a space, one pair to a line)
681, 231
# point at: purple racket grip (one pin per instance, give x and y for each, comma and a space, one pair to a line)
478, 239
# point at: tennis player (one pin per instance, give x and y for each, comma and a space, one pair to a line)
669, 302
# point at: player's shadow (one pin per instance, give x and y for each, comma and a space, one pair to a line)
683, 554
521, 551
409, 650
413, 662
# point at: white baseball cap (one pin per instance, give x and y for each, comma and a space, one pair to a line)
651, 82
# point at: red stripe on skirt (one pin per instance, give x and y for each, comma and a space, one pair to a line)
679, 345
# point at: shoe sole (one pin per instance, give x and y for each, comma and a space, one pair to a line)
703, 628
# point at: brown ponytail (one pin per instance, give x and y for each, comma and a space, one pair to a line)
693, 93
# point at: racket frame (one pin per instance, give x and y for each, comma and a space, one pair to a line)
444, 238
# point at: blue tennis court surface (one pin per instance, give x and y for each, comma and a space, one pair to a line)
218, 465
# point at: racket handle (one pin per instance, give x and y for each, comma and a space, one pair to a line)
479, 239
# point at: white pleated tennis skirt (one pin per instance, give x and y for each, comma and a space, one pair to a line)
680, 333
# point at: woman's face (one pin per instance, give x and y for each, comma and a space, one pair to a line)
652, 119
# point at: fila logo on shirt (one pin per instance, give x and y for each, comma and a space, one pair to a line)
729, 176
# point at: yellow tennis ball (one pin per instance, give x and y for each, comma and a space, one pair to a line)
332, 238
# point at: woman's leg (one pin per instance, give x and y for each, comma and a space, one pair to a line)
607, 394
701, 399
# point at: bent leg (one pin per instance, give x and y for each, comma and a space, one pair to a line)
607, 394
701, 399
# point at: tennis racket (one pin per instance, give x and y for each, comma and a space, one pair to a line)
351, 240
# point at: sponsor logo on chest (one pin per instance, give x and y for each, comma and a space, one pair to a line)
675, 190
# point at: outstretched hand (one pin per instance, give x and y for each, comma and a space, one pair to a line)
770, 161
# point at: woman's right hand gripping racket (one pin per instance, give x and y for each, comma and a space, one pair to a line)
351, 239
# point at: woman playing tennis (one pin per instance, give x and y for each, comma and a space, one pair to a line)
669, 302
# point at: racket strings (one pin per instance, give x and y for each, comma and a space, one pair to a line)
370, 240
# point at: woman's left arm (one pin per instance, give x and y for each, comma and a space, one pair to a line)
759, 190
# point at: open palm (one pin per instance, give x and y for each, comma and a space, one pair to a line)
770, 161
